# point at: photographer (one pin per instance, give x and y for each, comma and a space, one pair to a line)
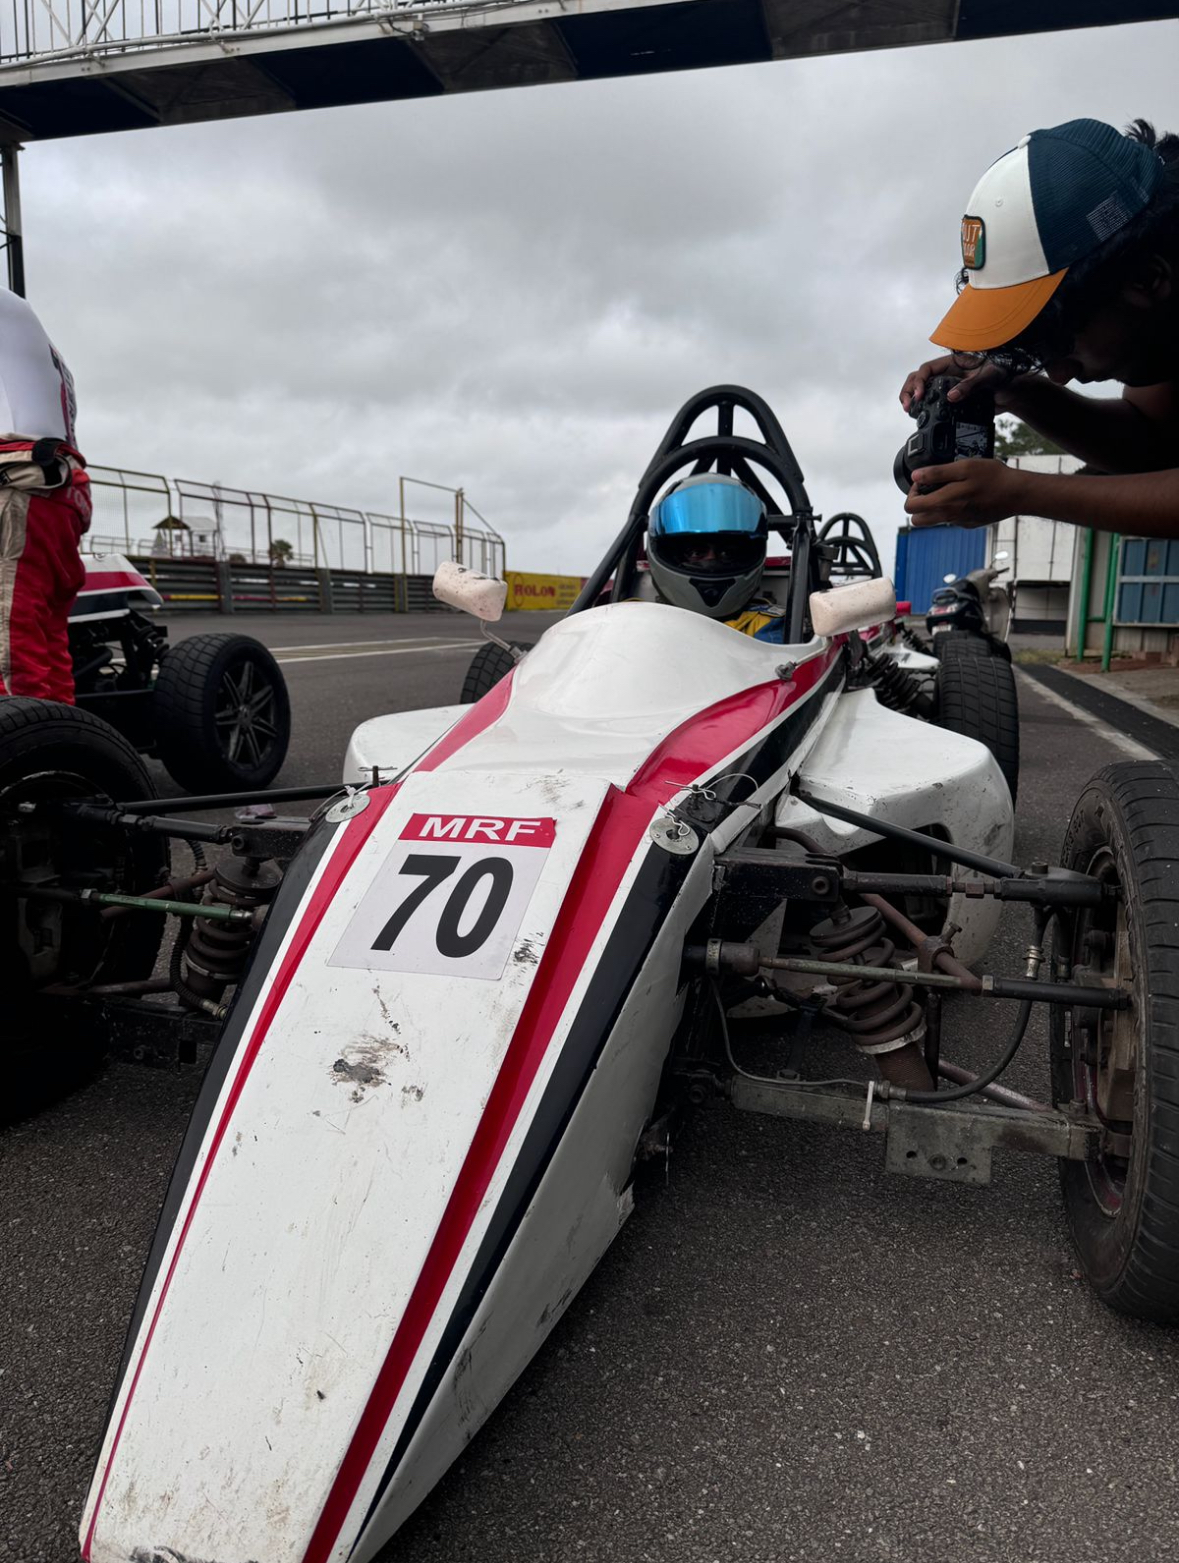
1070, 249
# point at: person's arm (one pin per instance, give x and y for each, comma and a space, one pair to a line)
978, 493
1136, 432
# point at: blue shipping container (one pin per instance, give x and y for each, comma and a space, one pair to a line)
900, 573
925, 556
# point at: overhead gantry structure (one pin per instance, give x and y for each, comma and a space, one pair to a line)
84, 67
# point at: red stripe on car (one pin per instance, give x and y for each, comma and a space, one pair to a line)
481, 715
111, 580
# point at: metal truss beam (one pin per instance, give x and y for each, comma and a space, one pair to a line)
77, 67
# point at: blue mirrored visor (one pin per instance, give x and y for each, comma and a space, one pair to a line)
702, 508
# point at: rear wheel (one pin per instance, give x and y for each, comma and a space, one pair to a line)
222, 715
1122, 1203
489, 665
976, 697
954, 642
49, 755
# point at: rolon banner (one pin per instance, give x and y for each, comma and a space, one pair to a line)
554, 592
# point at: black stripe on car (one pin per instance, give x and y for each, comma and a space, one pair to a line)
101, 605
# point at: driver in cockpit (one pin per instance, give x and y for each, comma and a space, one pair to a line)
706, 548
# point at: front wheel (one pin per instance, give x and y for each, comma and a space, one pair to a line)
489, 665
976, 696
51, 756
221, 712
1122, 1066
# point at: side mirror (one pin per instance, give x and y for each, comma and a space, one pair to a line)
1002, 554
481, 595
854, 607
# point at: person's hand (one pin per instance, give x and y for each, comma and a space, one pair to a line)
986, 376
975, 492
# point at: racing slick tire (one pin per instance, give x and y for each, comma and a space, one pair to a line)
976, 697
951, 643
51, 752
489, 664
1122, 1203
222, 714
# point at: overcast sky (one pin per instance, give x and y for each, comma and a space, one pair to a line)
514, 291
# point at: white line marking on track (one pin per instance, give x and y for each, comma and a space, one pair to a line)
391, 651
1131, 749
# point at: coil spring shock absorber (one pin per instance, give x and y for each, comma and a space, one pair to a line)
216, 953
883, 1018
895, 686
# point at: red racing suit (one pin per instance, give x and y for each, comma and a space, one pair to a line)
44, 510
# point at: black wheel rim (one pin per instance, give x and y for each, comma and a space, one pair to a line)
1096, 938
246, 715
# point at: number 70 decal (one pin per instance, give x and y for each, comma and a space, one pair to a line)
450, 898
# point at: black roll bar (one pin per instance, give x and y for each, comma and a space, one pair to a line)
730, 455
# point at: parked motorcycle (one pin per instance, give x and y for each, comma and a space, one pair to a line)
972, 613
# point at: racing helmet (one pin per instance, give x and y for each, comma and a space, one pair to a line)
706, 544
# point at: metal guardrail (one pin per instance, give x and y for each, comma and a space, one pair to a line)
149, 515
202, 585
185, 584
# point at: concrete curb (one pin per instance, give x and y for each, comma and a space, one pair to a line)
1140, 702
1129, 716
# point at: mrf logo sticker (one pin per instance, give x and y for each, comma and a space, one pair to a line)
450, 898
974, 243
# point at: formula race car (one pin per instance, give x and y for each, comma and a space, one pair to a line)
660, 864
213, 709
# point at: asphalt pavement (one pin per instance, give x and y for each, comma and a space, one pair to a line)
786, 1355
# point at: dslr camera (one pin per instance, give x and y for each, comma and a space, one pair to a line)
946, 430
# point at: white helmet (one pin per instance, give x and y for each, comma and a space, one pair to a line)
706, 545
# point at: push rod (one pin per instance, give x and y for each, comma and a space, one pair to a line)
229, 800
184, 829
984, 987
213, 914
1081, 891
747, 960
914, 838
933, 979
997, 1093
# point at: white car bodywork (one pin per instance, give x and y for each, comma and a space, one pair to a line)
397, 1179
112, 588
862, 755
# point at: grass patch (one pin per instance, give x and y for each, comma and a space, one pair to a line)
1036, 654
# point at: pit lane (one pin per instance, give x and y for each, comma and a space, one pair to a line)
787, 1355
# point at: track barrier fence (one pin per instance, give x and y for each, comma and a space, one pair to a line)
205, 546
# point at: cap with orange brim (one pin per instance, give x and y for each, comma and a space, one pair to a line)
1053, 199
